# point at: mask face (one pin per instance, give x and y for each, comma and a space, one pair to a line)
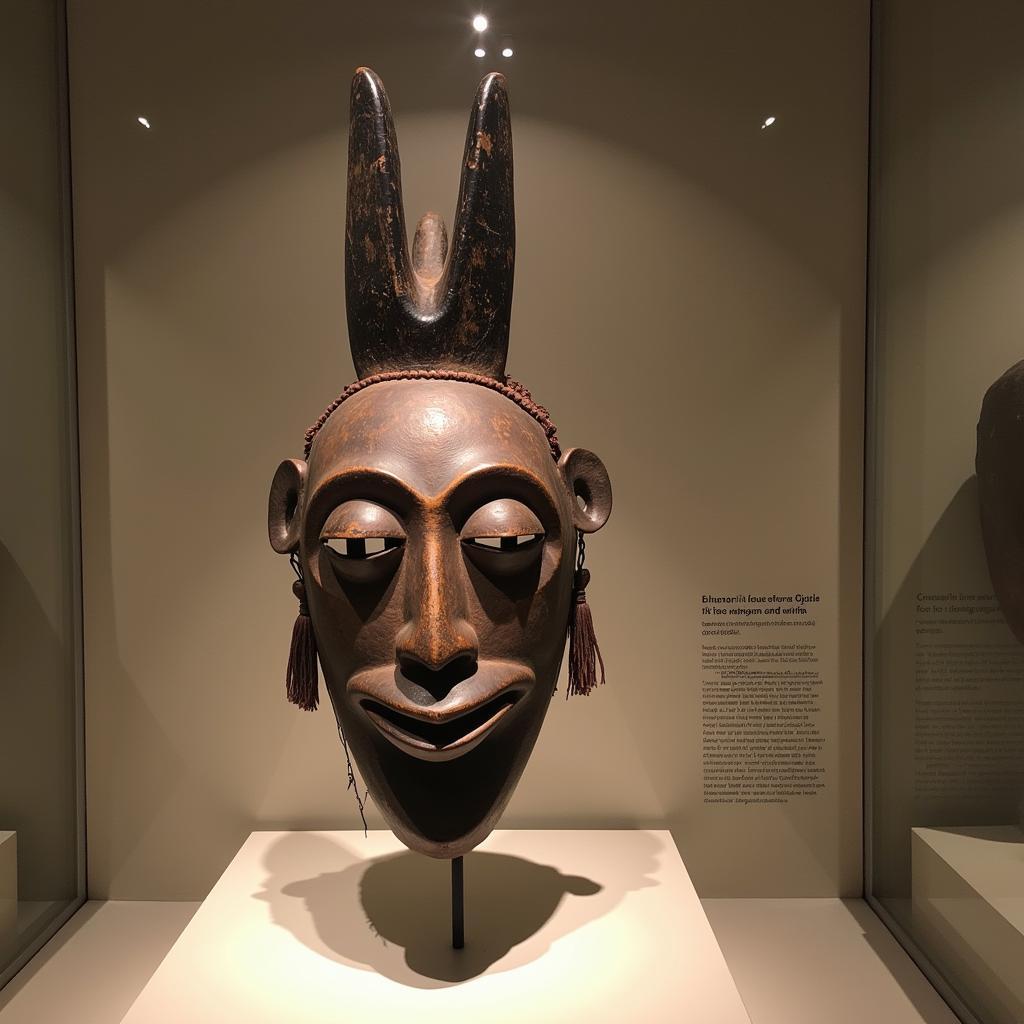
435, 532
438, 570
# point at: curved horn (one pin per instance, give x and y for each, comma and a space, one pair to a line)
478, 280
403, 313
376, 263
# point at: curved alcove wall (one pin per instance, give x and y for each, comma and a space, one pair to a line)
688, 303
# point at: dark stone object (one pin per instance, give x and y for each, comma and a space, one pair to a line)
434, 531
1000, 467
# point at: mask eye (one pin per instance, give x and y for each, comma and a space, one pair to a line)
363, 540
362, 547
503, 537
513, 543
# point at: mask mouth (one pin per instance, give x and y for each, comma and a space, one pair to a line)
440, 737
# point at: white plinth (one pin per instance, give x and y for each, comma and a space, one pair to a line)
8, 881
595, 926
968, 895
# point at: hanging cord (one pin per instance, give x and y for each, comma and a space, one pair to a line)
302, 675
584, 653
352, 784
303, 678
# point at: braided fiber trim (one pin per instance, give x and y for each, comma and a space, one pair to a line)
511, 389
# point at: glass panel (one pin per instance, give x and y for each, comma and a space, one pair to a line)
39, 826
946, 577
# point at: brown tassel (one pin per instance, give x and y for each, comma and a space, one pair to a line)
584, 654
303, 676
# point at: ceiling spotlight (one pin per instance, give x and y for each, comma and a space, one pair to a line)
480, 23
507, 52
144, 122
768, 122
479, 52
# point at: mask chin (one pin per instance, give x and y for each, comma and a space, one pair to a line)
446, 809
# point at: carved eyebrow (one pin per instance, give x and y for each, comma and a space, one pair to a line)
526, 486
394, 493
365, 483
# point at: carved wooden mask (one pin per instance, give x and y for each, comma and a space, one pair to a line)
435, 532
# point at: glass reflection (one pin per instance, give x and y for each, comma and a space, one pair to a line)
946, 580
40, 837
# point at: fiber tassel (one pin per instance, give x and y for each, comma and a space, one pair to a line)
584, 654
303, 676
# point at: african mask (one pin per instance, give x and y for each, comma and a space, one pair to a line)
1000, 469
436, 526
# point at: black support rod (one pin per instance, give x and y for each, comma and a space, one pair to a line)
458, 905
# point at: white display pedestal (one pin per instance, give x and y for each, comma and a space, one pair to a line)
8, 881
968, 894
595, 926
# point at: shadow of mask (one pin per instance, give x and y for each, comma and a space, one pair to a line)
392, 914
406, 900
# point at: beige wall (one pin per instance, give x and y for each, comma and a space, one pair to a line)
689, 304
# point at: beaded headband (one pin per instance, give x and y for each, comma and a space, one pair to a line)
511, 389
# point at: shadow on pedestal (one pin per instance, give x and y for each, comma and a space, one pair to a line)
392, 914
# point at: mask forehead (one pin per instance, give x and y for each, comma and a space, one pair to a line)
430, 435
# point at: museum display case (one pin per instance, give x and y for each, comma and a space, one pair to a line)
944, 664
240, 237
42, 865
653, 218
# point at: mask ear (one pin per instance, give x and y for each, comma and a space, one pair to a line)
283, 517
590, 490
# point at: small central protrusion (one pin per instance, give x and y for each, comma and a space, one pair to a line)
430, 248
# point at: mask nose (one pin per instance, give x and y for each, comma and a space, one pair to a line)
436, 648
